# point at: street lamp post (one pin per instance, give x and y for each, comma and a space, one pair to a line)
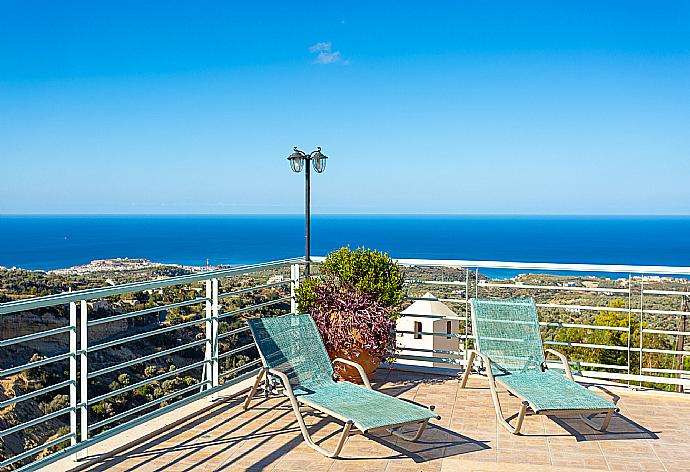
298, 160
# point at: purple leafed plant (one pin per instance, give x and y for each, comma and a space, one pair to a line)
349, 320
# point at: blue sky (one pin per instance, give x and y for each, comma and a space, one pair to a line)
423, 107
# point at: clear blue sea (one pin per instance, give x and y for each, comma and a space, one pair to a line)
49, 242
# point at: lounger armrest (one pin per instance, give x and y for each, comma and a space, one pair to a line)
614, 397
481, 355
359, 368
284, 379
564, 360
470, 360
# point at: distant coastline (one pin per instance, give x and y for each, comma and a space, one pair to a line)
126, 266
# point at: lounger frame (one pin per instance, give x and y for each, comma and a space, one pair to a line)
525, 406
348, 428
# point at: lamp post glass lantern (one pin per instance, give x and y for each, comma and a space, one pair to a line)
300, 160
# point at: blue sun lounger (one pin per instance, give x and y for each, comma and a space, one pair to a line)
508, 341
291, 349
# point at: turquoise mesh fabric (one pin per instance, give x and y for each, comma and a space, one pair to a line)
292, 344
508, 332
552, 391
368, 409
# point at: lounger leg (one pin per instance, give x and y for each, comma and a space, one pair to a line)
303, 427
521, 418
255, 387
307, 437
468, 369
417, 435
494, 393
604, 423
609, 414
414, 437
499, 412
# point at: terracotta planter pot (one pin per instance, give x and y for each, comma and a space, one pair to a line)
349, 373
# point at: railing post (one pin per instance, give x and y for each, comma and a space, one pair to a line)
208, 347
294, 283
215, 311
467, 315
84, 377
630, 332
73, 376
476, 295
641, 321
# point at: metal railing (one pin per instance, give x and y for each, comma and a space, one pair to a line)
637, 314
82, 350
632, 292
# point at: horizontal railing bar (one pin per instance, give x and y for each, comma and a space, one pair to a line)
432, 333
634, 377
554, 287
662, 351
664, 331
253, 307
33, 336
234, 331
146, 405
436, 351
444, 300
147, 311
436, 282
443, 360
663, 292
172, 373
666, 312
31, 365
35, 393
436, 317
147, 334
36, 421
589, 364
104, 292
587, 307
558, 324
610, 308
590, 346
36, 450
252, 289
242, 367
556, 267
666, 371
236, 350
149, 357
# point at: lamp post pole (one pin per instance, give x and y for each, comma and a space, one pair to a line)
298, 160
307, 218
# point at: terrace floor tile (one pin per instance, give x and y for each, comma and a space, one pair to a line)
650, 433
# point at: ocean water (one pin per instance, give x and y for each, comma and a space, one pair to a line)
49, 242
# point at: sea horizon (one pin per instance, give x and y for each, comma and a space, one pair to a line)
48, 242
301, 215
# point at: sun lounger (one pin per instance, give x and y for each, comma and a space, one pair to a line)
508, 341
291, 349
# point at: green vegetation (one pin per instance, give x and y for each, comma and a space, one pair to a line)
371, 272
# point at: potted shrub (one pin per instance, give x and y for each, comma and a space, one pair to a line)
355, 303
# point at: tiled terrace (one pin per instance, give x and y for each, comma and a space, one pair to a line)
652, 432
